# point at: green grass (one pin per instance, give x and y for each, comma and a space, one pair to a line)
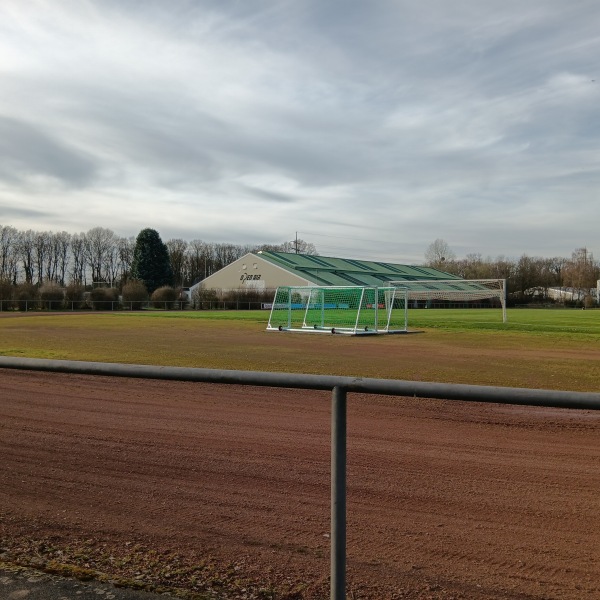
254, 316
557, 349
548, 321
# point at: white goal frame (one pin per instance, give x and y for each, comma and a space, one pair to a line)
456, 290
350, 310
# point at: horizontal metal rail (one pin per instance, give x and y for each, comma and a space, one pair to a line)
340, 386
391, 387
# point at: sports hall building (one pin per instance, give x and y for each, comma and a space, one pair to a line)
267, 270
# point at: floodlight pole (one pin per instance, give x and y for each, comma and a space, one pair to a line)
338, 493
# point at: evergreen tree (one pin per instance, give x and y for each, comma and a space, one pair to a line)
151, 262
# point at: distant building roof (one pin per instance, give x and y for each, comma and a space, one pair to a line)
326, 270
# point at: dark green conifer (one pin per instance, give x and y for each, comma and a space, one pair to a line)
151, 262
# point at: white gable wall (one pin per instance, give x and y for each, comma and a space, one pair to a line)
251, 271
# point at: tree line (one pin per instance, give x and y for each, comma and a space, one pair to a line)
528, 278
101, 256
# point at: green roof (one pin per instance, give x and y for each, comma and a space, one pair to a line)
326, 270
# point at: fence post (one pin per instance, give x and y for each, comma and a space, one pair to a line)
338, 494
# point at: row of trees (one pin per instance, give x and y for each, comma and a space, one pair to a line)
527, 278
99, 255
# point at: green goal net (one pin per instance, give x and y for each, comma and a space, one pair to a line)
351, 310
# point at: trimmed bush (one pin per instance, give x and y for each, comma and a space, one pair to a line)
588, 302
203, 299
75, 296
6, 295
134, 295
249, 299
165, 297
26, 296
104, 298
51, 296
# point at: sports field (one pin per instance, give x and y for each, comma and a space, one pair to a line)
222, 492
556, 349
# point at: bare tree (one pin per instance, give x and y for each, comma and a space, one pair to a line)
99, 245
9, 238
502, 268
78, 261
25, 250
268, 248
41, 255
224, 254
61, 244
112, 263
438, 254
581, 272
196, 261
126, 247
178, 256
528, 280
299, 246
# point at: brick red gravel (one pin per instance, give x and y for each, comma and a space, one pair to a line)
224, 491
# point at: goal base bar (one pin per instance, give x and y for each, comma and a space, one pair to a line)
336, 331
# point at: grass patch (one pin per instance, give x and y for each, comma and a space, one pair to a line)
556, 349
545, 321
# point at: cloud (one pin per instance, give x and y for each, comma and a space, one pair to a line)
475, 122
10, 211
26, 152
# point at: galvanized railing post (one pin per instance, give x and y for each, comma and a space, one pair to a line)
338, 494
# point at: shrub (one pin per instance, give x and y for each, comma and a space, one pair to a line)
51, 296
26, 296
135, 295
74, 296
252, 298
165, 297
204, 299
6, 295
104, 298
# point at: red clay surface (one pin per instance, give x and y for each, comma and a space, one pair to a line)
225, 490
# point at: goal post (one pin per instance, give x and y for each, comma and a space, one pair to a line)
462, 293
353, 310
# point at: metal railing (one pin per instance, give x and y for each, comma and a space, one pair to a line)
340, 387
126, 305
89, 305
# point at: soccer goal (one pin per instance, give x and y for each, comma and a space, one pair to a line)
349, 310
456, 293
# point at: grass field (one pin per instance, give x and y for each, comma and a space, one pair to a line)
555, 349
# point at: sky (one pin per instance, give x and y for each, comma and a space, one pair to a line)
369, 129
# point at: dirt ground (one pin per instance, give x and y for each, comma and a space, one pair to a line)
224, 491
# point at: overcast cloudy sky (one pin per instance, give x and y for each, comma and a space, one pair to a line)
370, 128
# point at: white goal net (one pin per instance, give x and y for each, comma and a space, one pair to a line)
351, 310
456, 293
